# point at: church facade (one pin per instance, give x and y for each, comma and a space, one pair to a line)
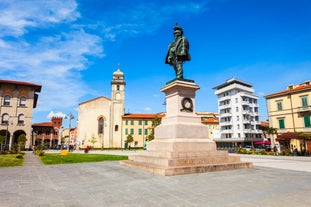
100, 119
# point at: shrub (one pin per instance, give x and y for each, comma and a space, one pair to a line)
19, 156
39, 153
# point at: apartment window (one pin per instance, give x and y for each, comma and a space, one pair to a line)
236, 100
132, 122
132, 131
140, 122
101, 126
21, 119
126, 131
307, 121
304, 101
146, 122
281, 124
5, 118
146, 131
7, 99
126, 122
140, 131
279, 105
22, 101
237, 109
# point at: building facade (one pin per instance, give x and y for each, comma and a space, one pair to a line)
290, 110
18, 99
239, 123
140, 126
48, 134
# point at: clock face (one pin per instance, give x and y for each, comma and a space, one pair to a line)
187, 104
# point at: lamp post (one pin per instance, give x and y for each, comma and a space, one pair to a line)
70, 117
6, 134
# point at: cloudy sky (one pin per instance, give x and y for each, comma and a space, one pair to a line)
72, 47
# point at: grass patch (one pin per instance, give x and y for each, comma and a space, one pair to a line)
51, 159
10, 160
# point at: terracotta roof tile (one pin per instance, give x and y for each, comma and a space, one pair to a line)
38, 87
143, 116
296, 89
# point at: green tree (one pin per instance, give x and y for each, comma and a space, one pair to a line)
93, 140
129, 139
155, 122
2, 139
21, 140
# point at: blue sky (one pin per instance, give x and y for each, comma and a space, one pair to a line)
72, 47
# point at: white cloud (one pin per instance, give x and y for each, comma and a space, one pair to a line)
16, 16
147, 109
142, 17
45, 49
57, 114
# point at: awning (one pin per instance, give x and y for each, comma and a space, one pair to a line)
262, 142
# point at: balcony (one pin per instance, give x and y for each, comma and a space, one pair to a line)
304, 109
225, 123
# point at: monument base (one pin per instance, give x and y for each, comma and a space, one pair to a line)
184, 156
181, 144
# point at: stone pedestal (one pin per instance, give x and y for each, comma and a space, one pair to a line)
181, 144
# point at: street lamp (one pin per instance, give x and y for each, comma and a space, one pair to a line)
70, 117
6, 132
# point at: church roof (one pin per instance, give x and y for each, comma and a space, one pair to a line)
94, 99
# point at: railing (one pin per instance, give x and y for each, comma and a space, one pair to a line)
304, 109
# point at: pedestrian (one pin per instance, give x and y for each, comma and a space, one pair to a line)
275, 149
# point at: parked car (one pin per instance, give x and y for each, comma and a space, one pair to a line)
247, 148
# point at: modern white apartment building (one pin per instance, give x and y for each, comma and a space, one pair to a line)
239, 123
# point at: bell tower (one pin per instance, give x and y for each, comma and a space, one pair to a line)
117, 108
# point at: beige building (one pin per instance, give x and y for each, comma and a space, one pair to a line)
100, 119
18, 99
290, 110
140, 126
211, 120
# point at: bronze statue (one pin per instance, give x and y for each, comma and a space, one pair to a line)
178, 52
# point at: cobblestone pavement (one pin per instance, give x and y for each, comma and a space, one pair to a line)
274, 181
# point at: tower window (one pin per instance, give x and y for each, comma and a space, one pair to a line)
118, 87
5, 118
7, 99
21, 119
22, 101
116, 128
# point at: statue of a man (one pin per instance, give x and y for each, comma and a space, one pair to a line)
178, 52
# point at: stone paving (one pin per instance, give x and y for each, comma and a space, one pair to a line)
274, 181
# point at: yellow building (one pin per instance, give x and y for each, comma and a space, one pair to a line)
290, 110
139, 126
211, 120
18, 99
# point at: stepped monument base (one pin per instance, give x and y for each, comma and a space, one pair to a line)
181, 144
